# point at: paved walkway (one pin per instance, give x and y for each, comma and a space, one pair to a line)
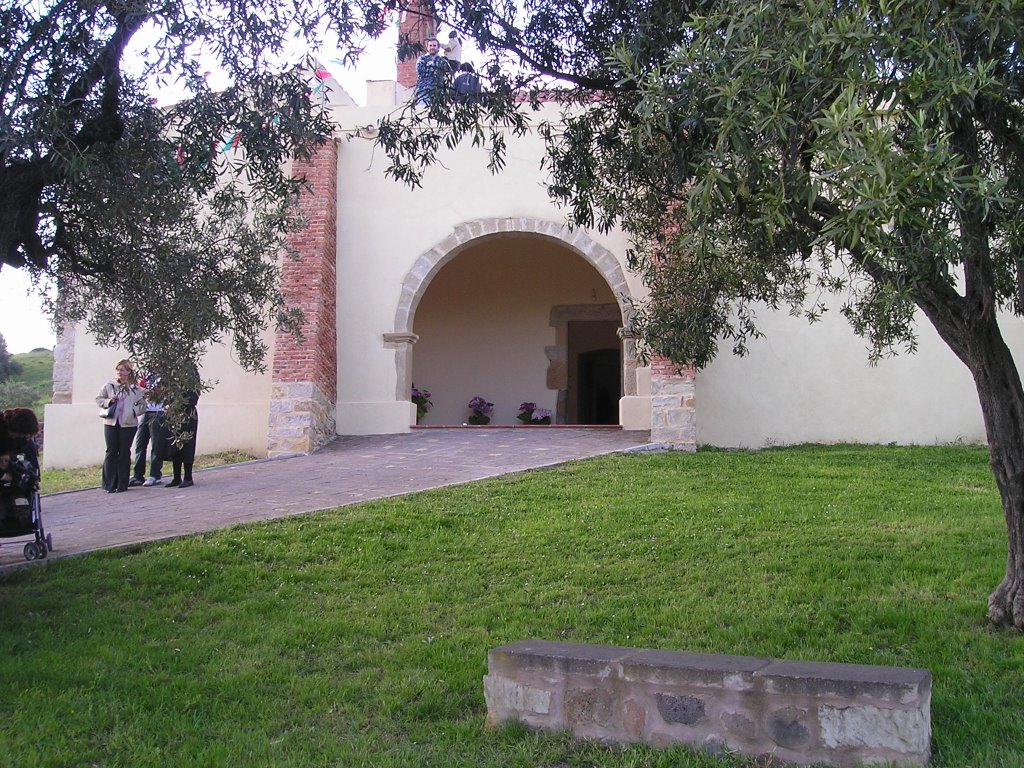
348, 470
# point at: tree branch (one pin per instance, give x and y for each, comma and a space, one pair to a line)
106, 69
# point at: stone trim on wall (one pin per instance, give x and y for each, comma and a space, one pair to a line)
305, 370
301, 419
558, 353
673, 405
392, 339
469, 233
64, 365
402, 343
629, 361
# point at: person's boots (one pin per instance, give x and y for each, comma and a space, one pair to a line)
177, 476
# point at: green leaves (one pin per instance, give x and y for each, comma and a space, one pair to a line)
867, 147
165, 259
161, 225
828, 131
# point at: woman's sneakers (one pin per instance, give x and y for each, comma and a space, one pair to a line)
151, 481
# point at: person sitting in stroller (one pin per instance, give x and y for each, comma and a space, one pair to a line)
22, 427
19, 477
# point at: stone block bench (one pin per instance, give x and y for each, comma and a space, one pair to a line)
798, 712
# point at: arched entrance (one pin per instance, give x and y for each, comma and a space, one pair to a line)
514, 310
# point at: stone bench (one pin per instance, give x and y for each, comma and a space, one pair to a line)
799, 712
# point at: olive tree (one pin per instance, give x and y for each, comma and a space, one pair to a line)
775, 153
867, 149
161, 225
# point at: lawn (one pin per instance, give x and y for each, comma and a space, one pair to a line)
60, 480
359, 636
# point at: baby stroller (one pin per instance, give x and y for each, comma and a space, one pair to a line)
20, 512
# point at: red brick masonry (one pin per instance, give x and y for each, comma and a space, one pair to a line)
309, 282
305, 371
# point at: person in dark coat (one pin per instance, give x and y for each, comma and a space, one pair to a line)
466, 88
431, 71
181, 453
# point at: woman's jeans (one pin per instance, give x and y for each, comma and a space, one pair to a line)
148, 436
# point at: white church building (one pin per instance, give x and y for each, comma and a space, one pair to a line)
474, 286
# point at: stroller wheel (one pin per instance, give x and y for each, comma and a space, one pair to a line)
40, 549
49, 543
31, 551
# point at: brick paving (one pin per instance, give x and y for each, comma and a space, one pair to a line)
348, 470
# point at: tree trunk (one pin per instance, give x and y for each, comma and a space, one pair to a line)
1002, 405
21, 189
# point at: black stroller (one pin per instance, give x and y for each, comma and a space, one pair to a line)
21, 514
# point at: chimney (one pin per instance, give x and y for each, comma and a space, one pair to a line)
416, 25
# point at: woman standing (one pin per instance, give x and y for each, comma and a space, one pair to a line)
128, 401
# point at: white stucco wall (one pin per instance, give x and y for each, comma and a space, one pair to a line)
813, 383
384, 227
232, 415
803, 383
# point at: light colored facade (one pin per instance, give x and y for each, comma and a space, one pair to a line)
473, 285
480, 272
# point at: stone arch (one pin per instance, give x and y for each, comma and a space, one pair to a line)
469, 233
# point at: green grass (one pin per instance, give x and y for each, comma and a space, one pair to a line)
358, 636
37, 373
60, 480
36, 368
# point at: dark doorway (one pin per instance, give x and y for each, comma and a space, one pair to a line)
600, 387
594, 372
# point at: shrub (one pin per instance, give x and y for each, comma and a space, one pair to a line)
17, 394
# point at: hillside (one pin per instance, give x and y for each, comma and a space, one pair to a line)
33, 387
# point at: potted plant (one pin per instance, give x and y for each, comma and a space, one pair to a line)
529, 413
421, 397
481, 411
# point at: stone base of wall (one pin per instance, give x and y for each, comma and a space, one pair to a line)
797, 712
673, 412
301, 419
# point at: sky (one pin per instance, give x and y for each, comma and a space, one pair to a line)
22, 322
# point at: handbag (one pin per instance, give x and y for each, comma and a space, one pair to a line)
109, 411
